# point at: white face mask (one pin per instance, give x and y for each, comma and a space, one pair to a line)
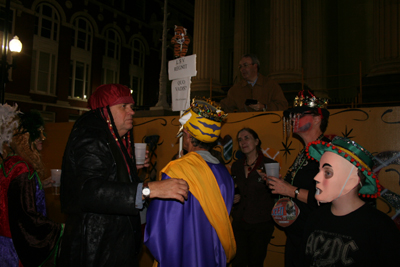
336, 177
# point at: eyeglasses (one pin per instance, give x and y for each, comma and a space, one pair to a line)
245, 65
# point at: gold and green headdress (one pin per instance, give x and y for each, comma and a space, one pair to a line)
203, 120
303, 103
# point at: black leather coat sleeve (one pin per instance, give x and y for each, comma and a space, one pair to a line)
90, 180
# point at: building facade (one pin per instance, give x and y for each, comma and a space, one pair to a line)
72, 47
348, 51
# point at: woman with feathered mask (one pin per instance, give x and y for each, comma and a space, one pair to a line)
27, 236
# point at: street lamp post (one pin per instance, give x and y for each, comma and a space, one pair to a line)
15, 45
4, 52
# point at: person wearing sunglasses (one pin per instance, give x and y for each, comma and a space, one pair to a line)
308, 119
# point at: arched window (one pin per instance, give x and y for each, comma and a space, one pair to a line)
111, 57
45, 50
137, 55
81, 58
83, 34
113, 43
47, 22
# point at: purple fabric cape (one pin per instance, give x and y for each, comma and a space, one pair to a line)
180, 235
34, 236
8, 254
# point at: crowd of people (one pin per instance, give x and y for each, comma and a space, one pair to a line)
199, 213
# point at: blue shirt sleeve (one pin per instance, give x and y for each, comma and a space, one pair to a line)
139, 202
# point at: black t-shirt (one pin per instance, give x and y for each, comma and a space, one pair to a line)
364, 237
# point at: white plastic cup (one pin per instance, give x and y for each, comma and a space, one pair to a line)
140, 153
55, 176
272, 169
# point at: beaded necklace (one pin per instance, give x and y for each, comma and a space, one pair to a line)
249, 169
299, 162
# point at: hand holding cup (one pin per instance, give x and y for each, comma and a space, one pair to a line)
140, 153
272, 169
56, 176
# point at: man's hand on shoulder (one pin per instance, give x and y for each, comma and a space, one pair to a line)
169, 189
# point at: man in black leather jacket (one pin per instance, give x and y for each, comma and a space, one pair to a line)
100, 189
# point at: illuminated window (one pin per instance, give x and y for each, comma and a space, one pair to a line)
81, 58
79, 79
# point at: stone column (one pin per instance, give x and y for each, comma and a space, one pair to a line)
206, 45
286, 61
314, 49
386, 23
241, 30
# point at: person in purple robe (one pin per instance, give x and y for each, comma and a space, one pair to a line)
197, 232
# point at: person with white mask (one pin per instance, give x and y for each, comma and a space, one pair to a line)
348, 231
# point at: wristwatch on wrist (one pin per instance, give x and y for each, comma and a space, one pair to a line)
296, 192
146, 190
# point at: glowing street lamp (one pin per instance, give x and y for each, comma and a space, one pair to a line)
15, 45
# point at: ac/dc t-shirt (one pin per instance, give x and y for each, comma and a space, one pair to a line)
364, 237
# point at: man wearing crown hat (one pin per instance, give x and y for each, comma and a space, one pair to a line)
100, 190
348, 231
308, 119
197, 232
27, 236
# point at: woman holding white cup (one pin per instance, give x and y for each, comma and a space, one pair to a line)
252, 222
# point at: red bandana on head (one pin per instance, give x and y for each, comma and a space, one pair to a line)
110, 95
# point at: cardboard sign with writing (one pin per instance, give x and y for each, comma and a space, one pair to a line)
182, 67
180, 92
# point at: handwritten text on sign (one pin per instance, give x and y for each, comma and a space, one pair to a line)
180, 92
182, 67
